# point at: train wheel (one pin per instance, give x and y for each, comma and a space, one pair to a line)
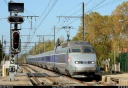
92, 73
57, 70
67, 72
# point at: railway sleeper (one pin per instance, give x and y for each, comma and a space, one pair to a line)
33, 82
37, 82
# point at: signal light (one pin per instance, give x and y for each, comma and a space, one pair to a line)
15, 19
15, 39
11, 61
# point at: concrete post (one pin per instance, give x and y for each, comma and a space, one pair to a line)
4, 70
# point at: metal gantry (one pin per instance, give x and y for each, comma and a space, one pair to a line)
68, 31
78, 17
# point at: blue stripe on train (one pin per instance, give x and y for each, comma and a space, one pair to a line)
51, 58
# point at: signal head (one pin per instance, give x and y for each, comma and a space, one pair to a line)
15, 19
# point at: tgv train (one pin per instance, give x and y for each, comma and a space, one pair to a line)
73, 58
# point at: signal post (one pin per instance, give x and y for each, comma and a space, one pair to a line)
15, 41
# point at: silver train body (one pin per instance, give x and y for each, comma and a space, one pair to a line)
73, 58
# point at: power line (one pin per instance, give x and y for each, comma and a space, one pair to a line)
88, 10
44, 18
47, 13
88, 3
107, 4
5, 2
71, 8
77, 10
95, 6
44, 10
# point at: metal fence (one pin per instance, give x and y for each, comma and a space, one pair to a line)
123, 62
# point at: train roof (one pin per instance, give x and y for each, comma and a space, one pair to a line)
73, 43
63, 45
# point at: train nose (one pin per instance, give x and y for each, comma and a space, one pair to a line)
84, 69
85, 62
82, 66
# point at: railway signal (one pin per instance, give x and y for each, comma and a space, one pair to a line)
15, 19
15, 7
11, 61
15, 39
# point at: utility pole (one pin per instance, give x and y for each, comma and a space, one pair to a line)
83, 20
77, 17
5, 45
54, 36
35, 47
2, 47
39, 44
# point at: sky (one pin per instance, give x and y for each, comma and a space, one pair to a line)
48, 12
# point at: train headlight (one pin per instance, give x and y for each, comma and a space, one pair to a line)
91, 62
78, 62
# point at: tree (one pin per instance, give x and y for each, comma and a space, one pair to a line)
120, 30
1, 52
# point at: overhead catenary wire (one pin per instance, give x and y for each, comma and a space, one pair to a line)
6, 2
96, 6
90, 9
45, 10
88, 2
44, 18
71, 9
47, 14
109, 3
72, 14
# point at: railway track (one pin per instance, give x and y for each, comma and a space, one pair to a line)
42, 77
34, 80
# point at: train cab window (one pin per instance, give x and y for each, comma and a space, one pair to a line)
76, 50
88, 50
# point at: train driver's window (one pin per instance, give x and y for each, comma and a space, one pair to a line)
88, 50
76, 50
